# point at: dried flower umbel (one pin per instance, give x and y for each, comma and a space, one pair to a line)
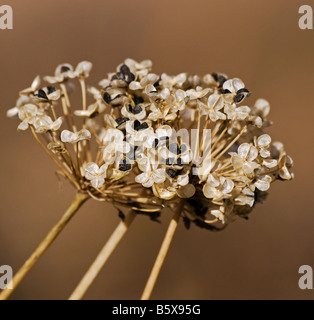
146, 142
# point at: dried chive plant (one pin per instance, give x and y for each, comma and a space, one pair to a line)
148, 142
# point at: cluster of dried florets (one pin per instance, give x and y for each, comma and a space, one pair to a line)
148, 141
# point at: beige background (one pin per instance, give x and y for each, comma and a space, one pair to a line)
258, 41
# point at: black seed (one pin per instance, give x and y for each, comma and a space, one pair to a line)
136, 125
171, 173
155, 143
124, 166
136, 110
94, 115
215, 76
64, 69
221, 80
157, 83
41, 94
225, 91
238, 98
120, 121
243, 90
107, 97
51, 89
125, 74
139, 126
124, 69
114, 77
138, 100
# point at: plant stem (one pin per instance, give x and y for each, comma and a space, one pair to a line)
162, 253
102, 258
77, 202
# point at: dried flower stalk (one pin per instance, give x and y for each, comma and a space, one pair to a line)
147, 142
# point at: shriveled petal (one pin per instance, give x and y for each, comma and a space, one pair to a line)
187, 191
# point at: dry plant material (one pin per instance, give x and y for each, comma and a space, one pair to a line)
147, 142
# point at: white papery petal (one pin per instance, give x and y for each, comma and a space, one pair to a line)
213, 181
214, 100
23, 126
91, 168
159, 176
35, 83
103, 169
218, 214
54, 95
144, 164
264, 140
134, 85
270, 163
262, 107
262, 185
228, 186
12, 112
57, 124
183, 180
248, 168
209, 191
253, 153
165, 93
148, 183
228, 85
180, 95
82, 113
98, 182
243, 150
84, 68
141, 178
237, 84
28, 111
66, 136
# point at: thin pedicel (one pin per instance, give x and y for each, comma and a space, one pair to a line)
148, 142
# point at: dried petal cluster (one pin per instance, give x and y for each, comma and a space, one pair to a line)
147, 141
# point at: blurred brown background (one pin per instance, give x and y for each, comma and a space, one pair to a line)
258, 41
